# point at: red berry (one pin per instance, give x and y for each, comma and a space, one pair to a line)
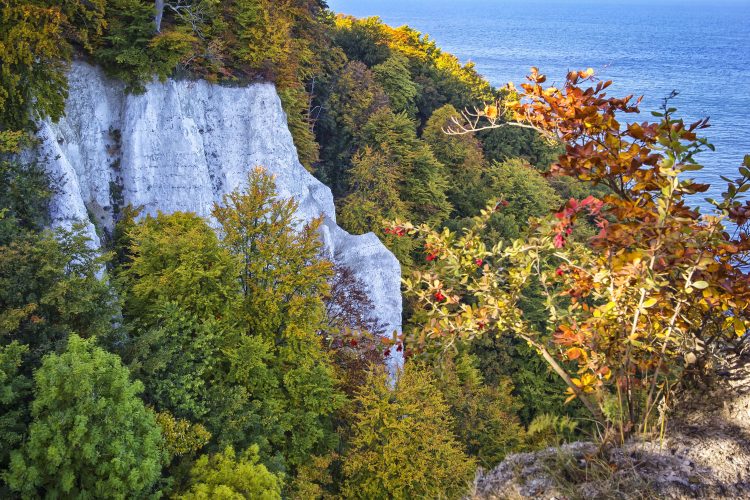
558, 241
439, 296
479, 262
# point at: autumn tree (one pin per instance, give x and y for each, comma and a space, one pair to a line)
352, 334
282, 279
35, 51
403, 445
90, 435
281, 275
660, 288
33, 55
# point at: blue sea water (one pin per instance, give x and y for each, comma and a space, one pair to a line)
699, 48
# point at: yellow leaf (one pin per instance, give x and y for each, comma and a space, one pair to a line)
700, 285
739, 327
491, 112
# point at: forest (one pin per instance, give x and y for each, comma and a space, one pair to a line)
559, 284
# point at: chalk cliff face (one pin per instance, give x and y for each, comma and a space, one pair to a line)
180, 146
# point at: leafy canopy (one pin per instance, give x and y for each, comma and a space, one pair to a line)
91, 435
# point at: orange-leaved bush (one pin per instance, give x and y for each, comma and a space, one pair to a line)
662, 291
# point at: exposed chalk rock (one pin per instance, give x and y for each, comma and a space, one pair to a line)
180, 146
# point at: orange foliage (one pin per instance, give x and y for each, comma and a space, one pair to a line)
660, 292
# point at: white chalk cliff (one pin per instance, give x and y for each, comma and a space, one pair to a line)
180, 146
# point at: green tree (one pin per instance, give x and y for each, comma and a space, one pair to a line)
181, 291
25, 192
283, 280
178, 258
485, 419
224, 332
469, 189
15, 392
224, 476
393, 76
362, 39
536, 388
425, 179
350, 96
125, 52
403, 445
506, 143
50, 286
375, 198
91, 436
527, 193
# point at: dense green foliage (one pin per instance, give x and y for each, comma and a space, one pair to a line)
226, 476
402, 445
225, 332
239, 363
484, 415
91, 435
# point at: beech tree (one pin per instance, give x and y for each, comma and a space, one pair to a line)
15, 393
33, 55
224, 332
282, 279
375, 198
485, 420
351, 96
177, 258
91, 435
49, 287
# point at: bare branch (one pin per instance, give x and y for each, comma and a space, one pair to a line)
489, 118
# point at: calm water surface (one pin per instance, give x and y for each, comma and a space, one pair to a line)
699, 48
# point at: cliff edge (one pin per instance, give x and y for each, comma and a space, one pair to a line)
181, 146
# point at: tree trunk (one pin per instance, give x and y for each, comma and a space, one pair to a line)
159, 14
595, 410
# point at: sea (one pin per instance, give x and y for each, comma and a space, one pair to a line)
701, 49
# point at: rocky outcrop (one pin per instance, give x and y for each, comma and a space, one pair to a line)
705, 454
180, 146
